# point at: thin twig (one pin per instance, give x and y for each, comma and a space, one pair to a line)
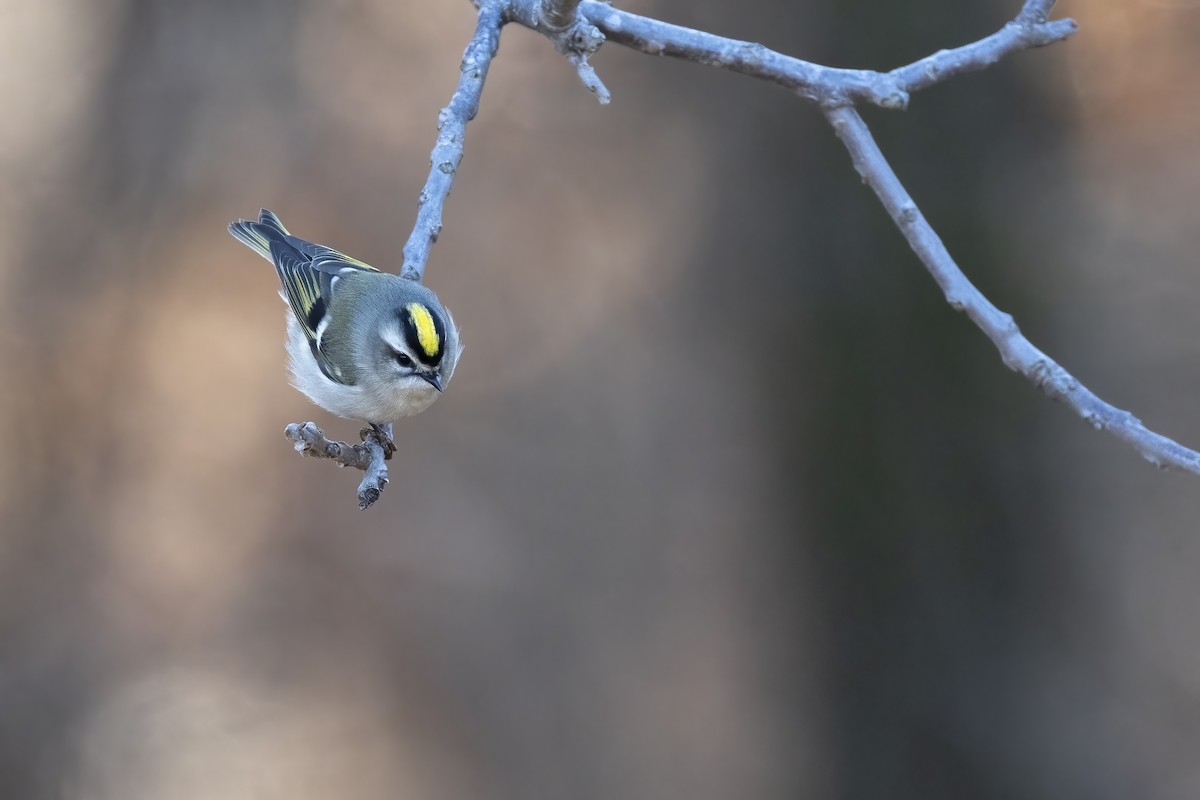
452, 131
821, 84
1016, 351
809, 80
1029, 29
572, 35
370, 456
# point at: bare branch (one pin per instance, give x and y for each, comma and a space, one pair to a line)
825, 85
452, 130
558, 15
1029, 29
1036, 10
809, 80
573, 36
1016, 351
577, 42
591, 81
579, 27
370, 456
836, 90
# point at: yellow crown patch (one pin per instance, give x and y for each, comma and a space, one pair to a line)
427, 334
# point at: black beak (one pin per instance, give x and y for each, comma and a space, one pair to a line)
433, 379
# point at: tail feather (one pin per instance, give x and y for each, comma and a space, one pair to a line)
259, 235
267, 217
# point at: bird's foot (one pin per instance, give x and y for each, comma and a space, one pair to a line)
382, 433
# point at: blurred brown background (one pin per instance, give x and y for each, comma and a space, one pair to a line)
724, 500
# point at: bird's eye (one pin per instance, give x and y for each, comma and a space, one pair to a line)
403, 360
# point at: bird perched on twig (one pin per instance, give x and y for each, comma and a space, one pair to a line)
362, 344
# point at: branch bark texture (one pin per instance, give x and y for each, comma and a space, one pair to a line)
452, 133
559, 14
814, 82
370, 456
962, 295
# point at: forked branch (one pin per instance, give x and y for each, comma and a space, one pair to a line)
579, 27
836, 91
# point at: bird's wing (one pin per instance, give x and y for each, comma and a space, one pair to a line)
326, 259
308, 291
309, 274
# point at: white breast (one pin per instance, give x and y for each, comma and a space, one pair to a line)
371, 401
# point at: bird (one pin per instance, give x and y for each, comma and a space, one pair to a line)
362, 344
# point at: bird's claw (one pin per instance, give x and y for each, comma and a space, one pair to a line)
383, 435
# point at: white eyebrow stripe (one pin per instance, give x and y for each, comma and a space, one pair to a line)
392, 336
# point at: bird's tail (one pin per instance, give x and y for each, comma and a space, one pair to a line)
259, 235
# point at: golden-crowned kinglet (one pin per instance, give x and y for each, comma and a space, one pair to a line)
363, 344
